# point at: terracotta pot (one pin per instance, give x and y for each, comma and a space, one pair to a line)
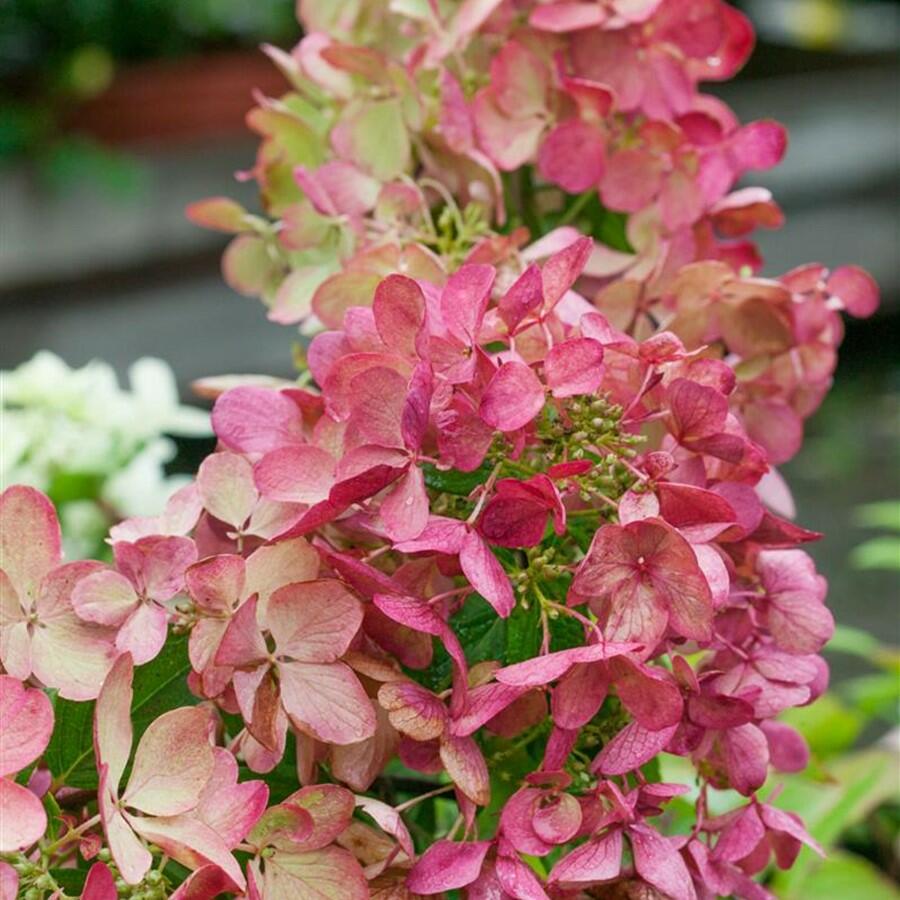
179, 100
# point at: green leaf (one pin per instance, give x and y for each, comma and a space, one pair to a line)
878, 553
523, 634
882, 514
159, 686
846, 876
854, 641
70, 754
874, 695
70, 880
828, 725
861, 781
453, 482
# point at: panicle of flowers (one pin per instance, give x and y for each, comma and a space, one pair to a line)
515, 532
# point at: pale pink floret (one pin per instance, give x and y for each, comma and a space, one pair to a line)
643, 578
312, 624
134, 596
160, 803
40, 634
296, 856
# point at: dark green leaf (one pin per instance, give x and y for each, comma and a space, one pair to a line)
70, 880
523, 634
452, 482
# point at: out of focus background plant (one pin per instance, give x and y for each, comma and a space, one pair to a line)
100, 451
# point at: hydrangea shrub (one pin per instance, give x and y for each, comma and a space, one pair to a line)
441, 616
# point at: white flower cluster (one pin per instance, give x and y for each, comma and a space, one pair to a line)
99, 450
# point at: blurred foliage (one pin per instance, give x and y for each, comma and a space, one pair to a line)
851, 798
54, 55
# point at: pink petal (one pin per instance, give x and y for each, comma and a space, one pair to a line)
557, 822
464, 300
216, 584
26, 723
329, 873
301, 473
563, 17
399, 308
143, 633
524, 296
273, 565
660, 864
229, 808
746, 753
856, 289
404, 510
518, 80
242, 643
156, 565
104, 597
541, 670
788, 750
413, 710
313, 621
633, 746
482, 704
600, 859
9, 883
256, 420
172, 763
514, 521
30, 540
573, 367
579, 696
446, 866
99, 884
112, 721
389, 821
485, 574
327, 700
331, 809
509, 142
207, 881
517, 879
563, 268
466, 767
759, 145
513, 398
226, 485
440, 535
649, 694
188, 840
788, 823
132, 858
632, 180
517, 821
740, 838
378, 399
22, 817
71, 655
573, 155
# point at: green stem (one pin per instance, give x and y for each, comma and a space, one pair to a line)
72, 834
572, 213
529, 214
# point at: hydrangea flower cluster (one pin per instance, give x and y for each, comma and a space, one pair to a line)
446, 604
